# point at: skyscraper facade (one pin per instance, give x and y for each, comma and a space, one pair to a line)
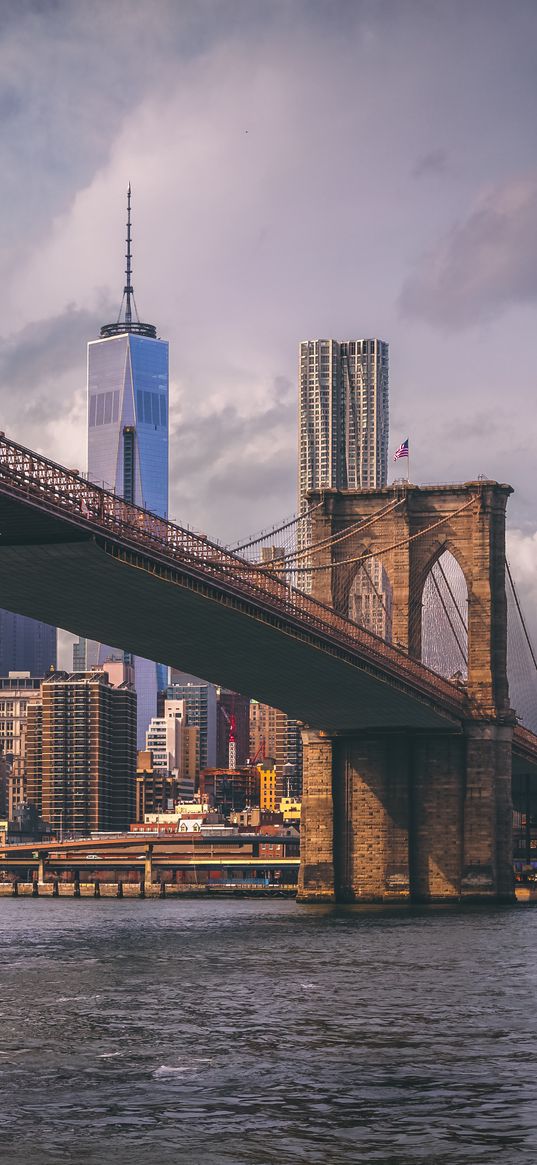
343, 415
128, 434
26, 645
343, 444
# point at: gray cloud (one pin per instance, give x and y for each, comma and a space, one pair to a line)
484, 265
226, 463
430, 164
46, 348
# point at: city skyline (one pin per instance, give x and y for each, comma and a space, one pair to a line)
234, 275
197, 933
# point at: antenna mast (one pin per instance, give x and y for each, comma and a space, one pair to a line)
128, 324
128, 290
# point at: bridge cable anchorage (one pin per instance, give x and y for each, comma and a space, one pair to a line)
381, 549
333, 539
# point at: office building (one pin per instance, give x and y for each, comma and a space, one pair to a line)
174, 743
128, 436
26, 645
81, 752
85, 654
200, 707
274, 734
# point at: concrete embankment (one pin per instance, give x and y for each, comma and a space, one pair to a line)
138, 890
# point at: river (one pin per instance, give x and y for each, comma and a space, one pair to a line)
265, 1033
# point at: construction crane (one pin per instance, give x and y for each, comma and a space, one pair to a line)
260, 754
232, 737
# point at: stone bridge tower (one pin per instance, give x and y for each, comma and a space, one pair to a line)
399, 814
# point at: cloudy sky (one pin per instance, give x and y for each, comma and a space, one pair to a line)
300, 168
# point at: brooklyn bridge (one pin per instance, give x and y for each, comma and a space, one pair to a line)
410, 740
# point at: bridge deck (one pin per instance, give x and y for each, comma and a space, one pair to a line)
76, 556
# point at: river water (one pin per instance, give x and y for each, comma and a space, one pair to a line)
265, 1033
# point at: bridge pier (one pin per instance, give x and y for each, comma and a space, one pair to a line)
408, 816
316, 876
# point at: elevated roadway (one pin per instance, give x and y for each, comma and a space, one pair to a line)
75, 555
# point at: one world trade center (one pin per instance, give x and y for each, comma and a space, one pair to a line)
128, 436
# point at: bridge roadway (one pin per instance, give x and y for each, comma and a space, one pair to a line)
187, 854
75, 555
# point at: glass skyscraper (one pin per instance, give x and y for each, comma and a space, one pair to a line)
128, 435
26, 645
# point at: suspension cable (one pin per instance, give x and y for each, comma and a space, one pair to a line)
265, 534
521, 616
333, 539
384, 549
438, 563
448, 617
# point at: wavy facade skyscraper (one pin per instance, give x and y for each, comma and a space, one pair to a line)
128, 434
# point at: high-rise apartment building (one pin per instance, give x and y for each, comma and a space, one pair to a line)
81, 752
343, 415
26, 645
343, 444
17, 690
128, 435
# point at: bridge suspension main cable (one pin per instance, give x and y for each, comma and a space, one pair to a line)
379, 551
265, 535
331, 540
521, 658
521, 614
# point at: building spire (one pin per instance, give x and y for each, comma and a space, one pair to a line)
128, 324
128, 290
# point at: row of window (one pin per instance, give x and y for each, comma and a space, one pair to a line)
103, 408
151, 408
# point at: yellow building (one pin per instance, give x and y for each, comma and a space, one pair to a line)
290, 808
269, 785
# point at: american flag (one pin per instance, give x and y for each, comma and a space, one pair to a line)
402, 451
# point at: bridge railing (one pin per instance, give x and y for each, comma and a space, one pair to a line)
89, 506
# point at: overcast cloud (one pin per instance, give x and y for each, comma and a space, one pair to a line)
300, 168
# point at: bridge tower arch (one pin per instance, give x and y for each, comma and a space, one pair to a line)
444, 617
402, 814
